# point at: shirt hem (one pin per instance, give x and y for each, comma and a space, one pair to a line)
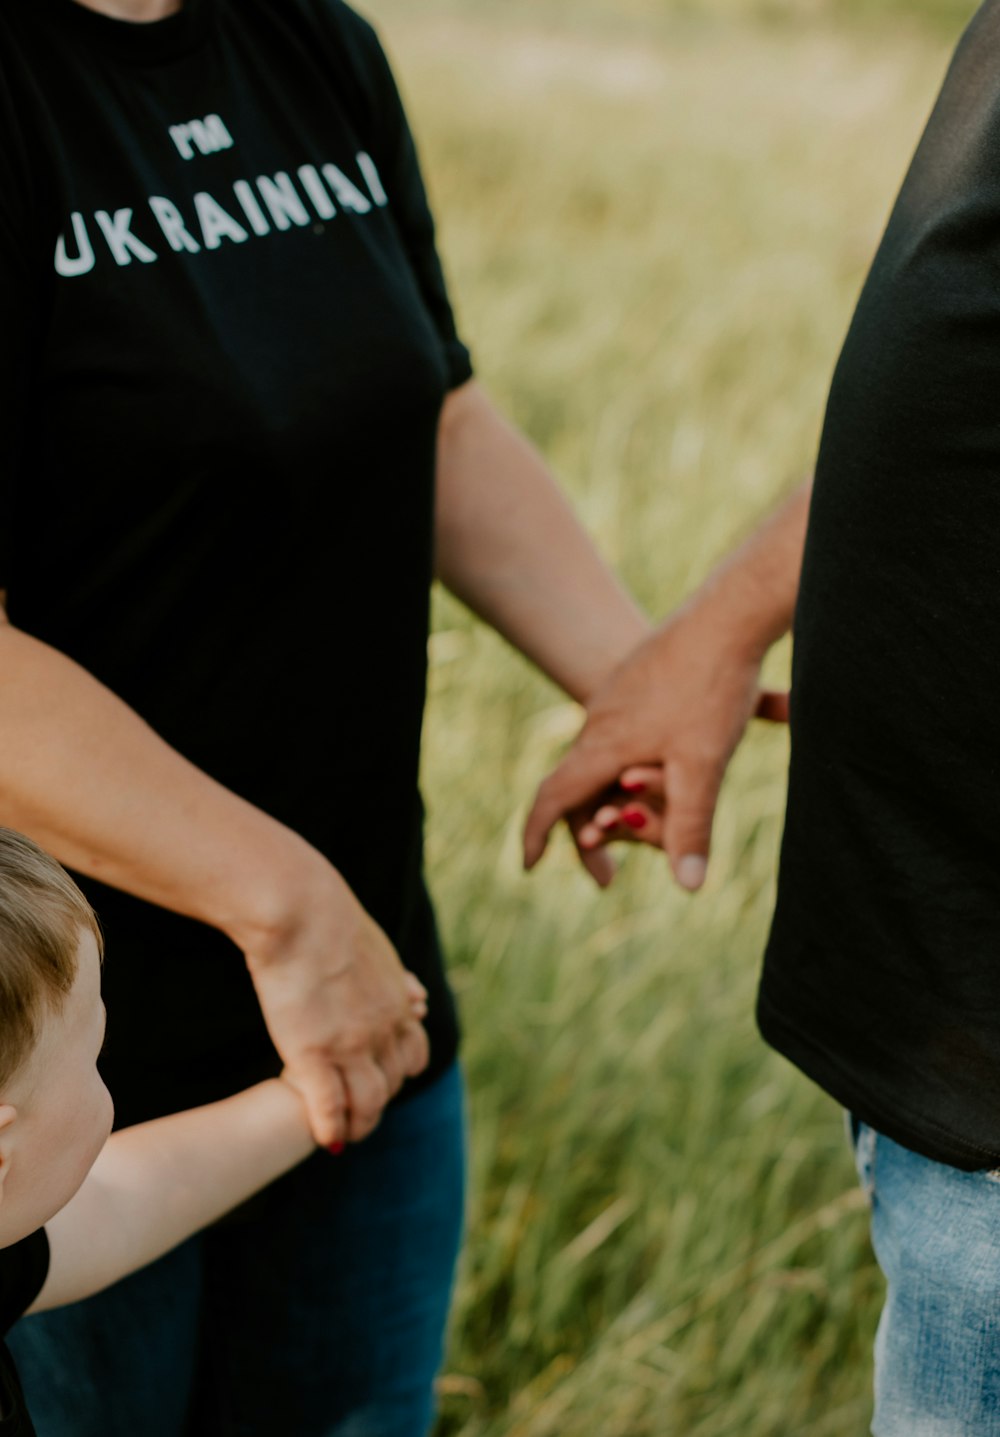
911, 1130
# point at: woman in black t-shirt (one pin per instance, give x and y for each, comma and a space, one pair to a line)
242, 434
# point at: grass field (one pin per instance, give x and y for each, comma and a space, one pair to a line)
656, 219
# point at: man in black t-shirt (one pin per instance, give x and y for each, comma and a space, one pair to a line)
881, 978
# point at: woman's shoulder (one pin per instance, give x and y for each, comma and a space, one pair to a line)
350, 42
339, 22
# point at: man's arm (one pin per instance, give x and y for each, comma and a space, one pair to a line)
91, 782
155, 1184
683, 699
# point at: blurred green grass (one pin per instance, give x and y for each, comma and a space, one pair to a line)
655, 232
652, 17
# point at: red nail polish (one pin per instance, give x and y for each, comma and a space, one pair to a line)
336, 1149
636, 786
634, 818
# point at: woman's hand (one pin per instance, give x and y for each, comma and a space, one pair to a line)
342, 1011
334, 995
292, 1078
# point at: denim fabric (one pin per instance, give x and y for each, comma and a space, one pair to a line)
936, 1234
316, 1310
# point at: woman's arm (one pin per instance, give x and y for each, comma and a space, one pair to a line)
510, 546
155, 1184
91, 782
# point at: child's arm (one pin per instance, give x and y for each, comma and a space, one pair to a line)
155, 1184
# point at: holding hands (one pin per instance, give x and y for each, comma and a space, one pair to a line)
654, 749
660, 731
344, 1014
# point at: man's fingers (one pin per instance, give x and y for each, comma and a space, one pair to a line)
549, 806
692, 793
326, 1101
772, 706
367, 1094
581, 776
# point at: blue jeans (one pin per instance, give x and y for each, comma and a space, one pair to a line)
316, 1310
936, 1234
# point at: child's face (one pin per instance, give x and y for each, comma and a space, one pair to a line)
56, 1113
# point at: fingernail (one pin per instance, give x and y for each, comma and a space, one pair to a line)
691, 871
635, 786
336, 1149
634, 818
610, 822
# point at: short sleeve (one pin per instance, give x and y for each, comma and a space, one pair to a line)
399, 169
24, 1266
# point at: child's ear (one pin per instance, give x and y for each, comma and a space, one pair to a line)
8, 1116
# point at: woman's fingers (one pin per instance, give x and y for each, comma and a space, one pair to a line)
390, 1061
643, 778
417, 994
632, 821
368, 1091
325, 1096
414, 988
590, 835
632, 809
638, 822
599, 864
678, 818
414, 1049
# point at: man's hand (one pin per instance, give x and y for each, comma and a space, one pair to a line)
677, 707
652, 754
342, 1011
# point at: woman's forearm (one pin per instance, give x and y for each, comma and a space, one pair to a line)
155, 1184
89, 780
93, 783
510, 546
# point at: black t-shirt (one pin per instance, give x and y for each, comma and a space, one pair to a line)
24, 1267
882, 977
226, 341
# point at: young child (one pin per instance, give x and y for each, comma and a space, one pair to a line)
80, 1209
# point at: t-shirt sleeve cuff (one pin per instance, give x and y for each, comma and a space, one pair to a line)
458, 362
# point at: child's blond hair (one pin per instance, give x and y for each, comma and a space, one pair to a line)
42, 913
